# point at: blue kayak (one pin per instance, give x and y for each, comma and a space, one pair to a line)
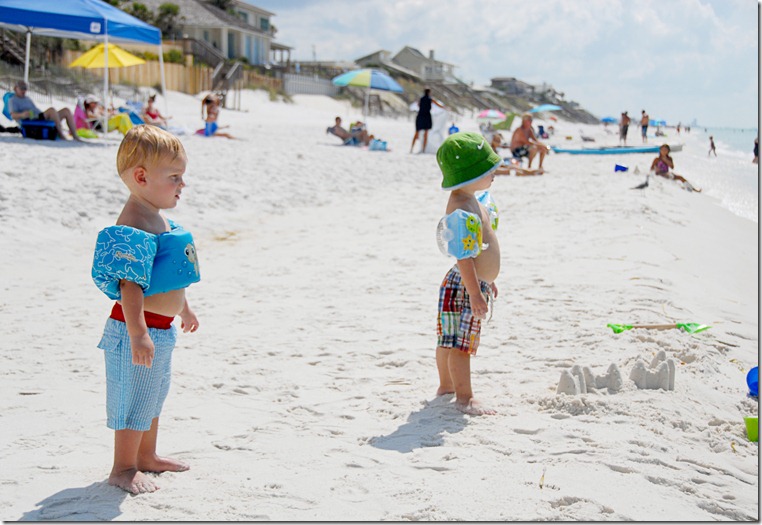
616, 150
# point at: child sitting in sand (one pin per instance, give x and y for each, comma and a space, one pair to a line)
210, 110
663, 166
152, 115
145, 263
468, 165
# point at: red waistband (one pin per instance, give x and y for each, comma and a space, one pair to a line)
152, 320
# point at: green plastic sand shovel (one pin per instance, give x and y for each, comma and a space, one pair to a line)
691, 328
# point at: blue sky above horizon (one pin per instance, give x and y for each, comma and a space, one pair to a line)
678, 59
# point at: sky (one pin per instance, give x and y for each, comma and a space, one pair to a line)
679, 60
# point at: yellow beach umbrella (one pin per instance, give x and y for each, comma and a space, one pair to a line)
98, 58
117, 57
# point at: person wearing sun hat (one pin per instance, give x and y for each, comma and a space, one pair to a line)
468, 165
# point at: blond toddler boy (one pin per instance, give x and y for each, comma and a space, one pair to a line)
468, 165
144, 262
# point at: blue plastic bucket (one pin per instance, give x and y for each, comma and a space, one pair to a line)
619, 167
752, 379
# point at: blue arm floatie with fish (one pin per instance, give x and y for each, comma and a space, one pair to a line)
158, 263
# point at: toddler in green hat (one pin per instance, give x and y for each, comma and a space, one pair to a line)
468, 166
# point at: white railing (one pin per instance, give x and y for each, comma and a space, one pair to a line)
308, 85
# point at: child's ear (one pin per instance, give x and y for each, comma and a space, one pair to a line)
139, 175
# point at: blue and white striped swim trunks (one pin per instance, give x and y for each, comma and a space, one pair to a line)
135, 394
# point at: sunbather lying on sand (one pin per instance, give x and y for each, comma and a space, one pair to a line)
508, 167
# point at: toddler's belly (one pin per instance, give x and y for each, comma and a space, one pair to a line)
488, 264
169, 304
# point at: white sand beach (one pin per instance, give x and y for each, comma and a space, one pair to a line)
308, 391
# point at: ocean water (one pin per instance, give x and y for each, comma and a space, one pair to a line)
730, 177
738, 139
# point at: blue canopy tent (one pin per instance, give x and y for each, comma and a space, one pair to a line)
78, 19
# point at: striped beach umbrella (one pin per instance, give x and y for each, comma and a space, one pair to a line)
369, 79
490, 115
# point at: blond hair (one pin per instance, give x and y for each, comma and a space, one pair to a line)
145, 146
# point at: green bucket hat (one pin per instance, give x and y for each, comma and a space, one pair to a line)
465, 157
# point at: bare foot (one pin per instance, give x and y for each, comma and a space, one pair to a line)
159, 464
132, 481
474, 408
442, 390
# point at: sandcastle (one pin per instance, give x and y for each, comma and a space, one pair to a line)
580, 380
660, 374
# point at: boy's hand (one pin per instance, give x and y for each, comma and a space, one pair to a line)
494, 290
142, 350
479, 306
189, 321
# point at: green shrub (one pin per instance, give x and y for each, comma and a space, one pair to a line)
174, 56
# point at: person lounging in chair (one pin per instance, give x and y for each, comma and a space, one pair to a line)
94, 113
357, 136
22, 107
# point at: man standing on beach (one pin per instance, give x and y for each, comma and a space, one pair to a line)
624, 125
644, 125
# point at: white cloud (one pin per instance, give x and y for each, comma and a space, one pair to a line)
678, 59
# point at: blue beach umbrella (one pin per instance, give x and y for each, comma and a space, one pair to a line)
545, 107
608, 120
370, 79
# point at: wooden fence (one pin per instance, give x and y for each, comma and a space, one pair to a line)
185, 78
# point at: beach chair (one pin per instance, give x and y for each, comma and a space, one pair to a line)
352, 140
87, 126
31, 129
134, 115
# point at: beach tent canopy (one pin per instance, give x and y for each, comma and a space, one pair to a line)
78, 19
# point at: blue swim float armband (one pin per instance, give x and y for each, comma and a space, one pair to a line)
158, 263
488, 202
460, 234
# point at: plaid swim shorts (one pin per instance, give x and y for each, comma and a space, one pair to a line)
456, 325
